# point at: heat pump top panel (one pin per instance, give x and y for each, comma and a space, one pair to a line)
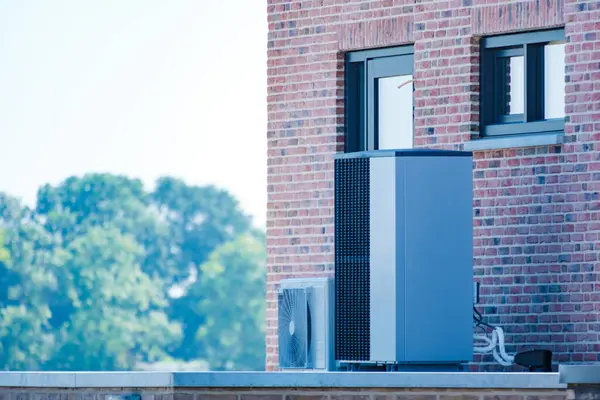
403, 256
404, 153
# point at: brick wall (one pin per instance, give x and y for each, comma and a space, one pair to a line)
292, 394
537, 210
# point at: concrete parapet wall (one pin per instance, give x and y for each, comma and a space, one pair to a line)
281, 394
572, 382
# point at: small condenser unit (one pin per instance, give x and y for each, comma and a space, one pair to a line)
403, 257
305, 324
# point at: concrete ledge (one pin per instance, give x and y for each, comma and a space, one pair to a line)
370, 380
37, 379
353, 380
86, 379
514, 141
580, 374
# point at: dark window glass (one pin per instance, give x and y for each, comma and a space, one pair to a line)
523, 83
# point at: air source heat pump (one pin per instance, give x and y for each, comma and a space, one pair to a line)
305, 324
403, 258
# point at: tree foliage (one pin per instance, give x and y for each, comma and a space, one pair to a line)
104, 275
230, 294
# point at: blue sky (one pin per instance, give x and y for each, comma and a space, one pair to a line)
145, 88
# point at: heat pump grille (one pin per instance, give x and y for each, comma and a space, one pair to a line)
352, 319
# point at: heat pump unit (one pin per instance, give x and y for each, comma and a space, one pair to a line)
305, 324
403, 257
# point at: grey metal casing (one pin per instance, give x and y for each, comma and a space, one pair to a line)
421, 259
320, 300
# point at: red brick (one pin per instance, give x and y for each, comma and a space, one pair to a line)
537, 220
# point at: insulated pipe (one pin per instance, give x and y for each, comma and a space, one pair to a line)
490, 344
500, 360
499, 354
503, 353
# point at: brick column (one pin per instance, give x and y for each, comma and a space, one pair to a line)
305, 99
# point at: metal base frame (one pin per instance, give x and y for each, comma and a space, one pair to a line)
391, 367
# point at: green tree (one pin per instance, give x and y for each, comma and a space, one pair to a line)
105, 314
81, 203
4, 254
6, 275
116, 317
88, 276
200, 219
27, 281
231, 296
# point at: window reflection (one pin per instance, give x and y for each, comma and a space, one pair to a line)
514, 93
395, 112
554, 80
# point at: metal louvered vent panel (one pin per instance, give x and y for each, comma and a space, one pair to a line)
352, 305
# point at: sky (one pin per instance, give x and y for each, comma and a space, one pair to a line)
145, 88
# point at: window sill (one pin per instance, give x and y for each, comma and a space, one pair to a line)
507, 142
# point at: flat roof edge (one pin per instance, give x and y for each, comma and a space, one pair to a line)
580, 374
273, 380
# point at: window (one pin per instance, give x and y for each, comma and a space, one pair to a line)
379, 99
523, 83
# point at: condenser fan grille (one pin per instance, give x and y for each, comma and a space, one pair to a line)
294, 328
